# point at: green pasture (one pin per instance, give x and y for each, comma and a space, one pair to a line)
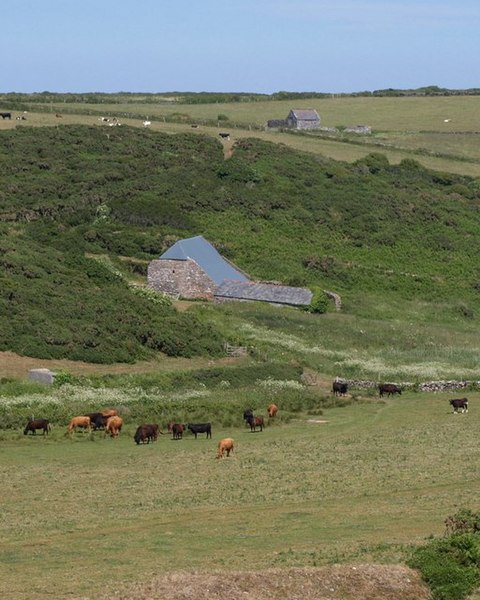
440, 132
358, 483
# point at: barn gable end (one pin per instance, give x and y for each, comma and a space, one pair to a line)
180, 279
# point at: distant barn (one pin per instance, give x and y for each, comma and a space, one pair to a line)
298, 118
194, 269
303, 118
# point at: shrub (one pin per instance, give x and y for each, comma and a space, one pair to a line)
451, 565
319, 302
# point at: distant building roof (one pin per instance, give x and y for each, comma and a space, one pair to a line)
305, 114
264, 292
204, 254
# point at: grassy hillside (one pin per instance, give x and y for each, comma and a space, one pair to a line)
83, 210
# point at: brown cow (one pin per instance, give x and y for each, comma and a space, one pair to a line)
35, 424
225, 446
82, 421
176, 429
272, 410
114, 426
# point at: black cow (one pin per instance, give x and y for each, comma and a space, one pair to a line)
247, 414
459, 404
197, 428
6, 115
97, 420
255, 422
35, 424
389, 388
339, 388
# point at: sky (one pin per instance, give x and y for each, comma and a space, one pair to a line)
261, 46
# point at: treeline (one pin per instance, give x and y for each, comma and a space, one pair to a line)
19, 100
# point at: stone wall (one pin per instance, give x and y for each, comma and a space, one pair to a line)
180, 279
428, 386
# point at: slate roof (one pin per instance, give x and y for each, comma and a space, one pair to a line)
205, 255
305, 114
264, 292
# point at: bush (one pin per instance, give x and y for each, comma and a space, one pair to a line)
319, 303
451, 565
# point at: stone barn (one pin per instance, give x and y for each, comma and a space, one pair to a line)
194, 269
303, 118
191, 269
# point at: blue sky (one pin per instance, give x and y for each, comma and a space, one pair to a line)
239, 45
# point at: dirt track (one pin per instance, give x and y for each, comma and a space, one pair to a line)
336, 582
13, 365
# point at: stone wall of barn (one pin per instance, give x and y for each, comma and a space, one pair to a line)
302, 124
180, 279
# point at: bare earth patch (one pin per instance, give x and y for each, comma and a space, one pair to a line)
337, 582
13, 365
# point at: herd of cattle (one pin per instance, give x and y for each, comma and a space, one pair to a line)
111, 423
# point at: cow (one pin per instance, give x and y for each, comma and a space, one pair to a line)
82, 421
339, 388
272, 410
225, 446
6, 115
114, 425
35, 424
255, 422
98, 420
247, 414
177, 430
459, 404
147, 433
389, 388
224, 135
197, 428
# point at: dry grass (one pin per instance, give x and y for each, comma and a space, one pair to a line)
337, 582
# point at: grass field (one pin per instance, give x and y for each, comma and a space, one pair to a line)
439, 132
358, 484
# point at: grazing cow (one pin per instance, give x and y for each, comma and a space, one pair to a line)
114, 426
339, 388
389, 388
255, 422
459, 404
147, 433
177, 430
35, 424
224, 135
6, 115
225, 446
83, 422
197, 428
59, 116
272, 410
